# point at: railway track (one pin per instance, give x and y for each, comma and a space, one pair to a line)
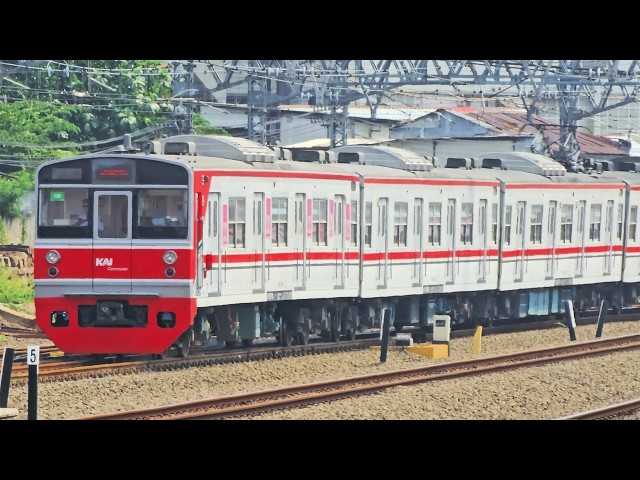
255, 403
72, 368
608, 412
55, 366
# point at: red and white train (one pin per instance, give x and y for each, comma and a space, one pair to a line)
212, 235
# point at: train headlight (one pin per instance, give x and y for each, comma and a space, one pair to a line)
52, 256
170, 257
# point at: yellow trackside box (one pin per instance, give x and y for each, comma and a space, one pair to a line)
430, 351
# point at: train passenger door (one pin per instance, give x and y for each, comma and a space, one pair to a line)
383, 229
582, 207
112, 213
212, 244
519, 241
608, 237
482, 274
551, 229
300, 241
258, 236
417, 273
339, 244
450, 239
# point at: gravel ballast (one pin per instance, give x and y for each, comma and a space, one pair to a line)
535, 393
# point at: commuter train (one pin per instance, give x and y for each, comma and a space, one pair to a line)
193, 236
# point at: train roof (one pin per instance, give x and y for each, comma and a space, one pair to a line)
221, 152
198, 162
631, 178
223, 146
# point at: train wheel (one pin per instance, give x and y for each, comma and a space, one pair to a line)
351, 333
184, 346
247, 342
303, 336
334, 334
286, 336
162, 356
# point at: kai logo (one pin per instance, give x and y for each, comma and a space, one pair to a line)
104, 262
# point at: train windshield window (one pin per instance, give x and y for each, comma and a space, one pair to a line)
162, 213
64, 212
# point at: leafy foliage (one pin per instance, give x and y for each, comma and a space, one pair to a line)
28, 129
114, 96
14, 290
12, 188
63, 112
201, 126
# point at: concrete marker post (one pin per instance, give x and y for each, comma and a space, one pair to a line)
384, 335
571, 320
477, 339
604, 306
33, 358
5, 383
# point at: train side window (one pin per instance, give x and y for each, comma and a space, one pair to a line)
400, 219
494, 223
354, 223
595, 219
536, 224
633, 222
237, 220
215, 218
417, 217
258, 217
319, 222
582, 205
383, 219
520, 220
620, 221
551, 227
608, 224
566, 223
279, 216
466, 224
507, 225
368, 219
299, 214
435, 224
483, 217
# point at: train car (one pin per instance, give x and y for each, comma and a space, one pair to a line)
147, 251
625, 227
210, 235
431, 236
561, 237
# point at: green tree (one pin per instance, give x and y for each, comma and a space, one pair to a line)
201, 126
34, 130
115, 96
12, 189
57, 109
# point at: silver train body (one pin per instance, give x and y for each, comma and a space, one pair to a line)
299, 243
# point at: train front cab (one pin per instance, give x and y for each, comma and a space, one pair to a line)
119, 281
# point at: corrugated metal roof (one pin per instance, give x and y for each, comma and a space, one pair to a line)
383, 112
325, 143
513, 123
